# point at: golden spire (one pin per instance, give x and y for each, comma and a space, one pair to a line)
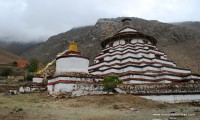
38, 73
73, 47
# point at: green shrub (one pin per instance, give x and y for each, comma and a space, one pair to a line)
14, 63
110, 82
6, 72
32, 66
29, 77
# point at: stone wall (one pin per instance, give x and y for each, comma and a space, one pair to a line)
15, 78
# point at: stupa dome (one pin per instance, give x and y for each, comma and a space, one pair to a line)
71, 61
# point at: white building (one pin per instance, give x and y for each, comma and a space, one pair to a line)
72, 73
37, 79
134, 57
145, 70
131, 55
37, 84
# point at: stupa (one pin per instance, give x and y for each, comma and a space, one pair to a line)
72, 73
134, 57
37, 78
37, 84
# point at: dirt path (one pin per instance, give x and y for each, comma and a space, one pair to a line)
116, 107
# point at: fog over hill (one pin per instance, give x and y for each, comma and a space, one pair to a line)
181, 42
16, 47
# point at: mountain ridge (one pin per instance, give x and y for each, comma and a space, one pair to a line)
194, 25
175, 40
181, 42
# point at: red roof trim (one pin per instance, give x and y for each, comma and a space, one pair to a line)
129, 52
131, 45
71, 56
70, 81
132, 63
133, 72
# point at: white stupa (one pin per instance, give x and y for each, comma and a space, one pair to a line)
37, 78
72, 61
71, 73
134, 57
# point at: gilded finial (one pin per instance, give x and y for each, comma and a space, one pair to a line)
73, 47
38, 73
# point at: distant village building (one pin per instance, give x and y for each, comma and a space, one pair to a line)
22, 63
37, 84
72, 73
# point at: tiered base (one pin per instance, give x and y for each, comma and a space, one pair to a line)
69, 82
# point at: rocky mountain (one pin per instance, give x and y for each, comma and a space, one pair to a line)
179, 42
189, 24
7, 58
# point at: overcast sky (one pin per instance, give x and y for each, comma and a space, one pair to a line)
28, 20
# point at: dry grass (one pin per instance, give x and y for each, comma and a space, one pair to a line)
7, 57
40, 106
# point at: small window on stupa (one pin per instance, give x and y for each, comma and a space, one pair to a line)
157, 56
152, 48
110, 44
127, 40
145, 41
96, 69
115, 58
106, 51
101, 60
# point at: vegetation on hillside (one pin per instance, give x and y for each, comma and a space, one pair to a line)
32, 66
29, 77
6, 71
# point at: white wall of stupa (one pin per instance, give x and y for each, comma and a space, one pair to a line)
72, 64
71, 73
37, 80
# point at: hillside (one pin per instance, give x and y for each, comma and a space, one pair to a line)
180, 43
16, 47
6, 57
189, 24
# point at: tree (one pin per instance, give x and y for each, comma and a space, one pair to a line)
32, 66
6, 71
110, 82
29, 77
14, 63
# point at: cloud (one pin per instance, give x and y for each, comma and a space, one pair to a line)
29, 20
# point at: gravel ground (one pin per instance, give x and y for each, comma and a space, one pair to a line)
114, 107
